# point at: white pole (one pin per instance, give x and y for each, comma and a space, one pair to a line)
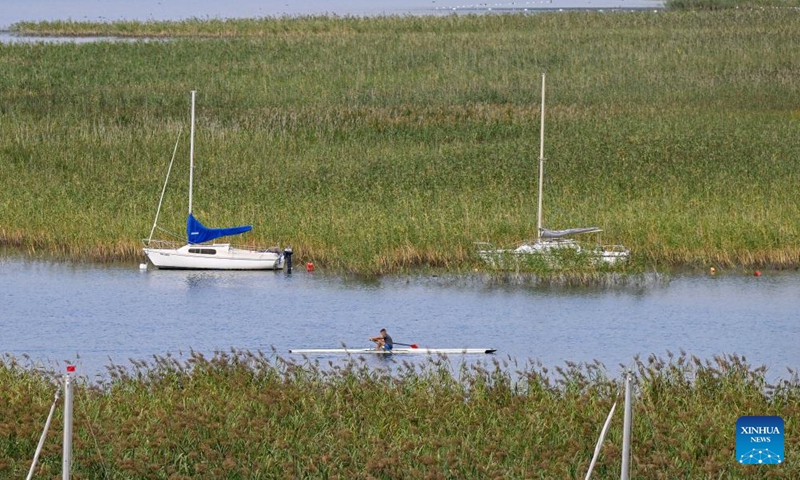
626, 434
67, 455
44, 435
541, 168
191, 156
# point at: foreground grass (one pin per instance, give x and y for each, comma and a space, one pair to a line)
245, 415
383, 144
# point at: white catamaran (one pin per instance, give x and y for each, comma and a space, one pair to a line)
197, 253
552, 247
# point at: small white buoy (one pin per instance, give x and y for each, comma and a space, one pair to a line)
142, 266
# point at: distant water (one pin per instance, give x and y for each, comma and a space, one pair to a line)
13, 11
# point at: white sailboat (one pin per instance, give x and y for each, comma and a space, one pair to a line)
553, 248
197, 254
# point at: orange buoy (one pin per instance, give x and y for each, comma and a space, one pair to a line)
757, 273
309, 267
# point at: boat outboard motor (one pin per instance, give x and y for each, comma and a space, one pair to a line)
287, 254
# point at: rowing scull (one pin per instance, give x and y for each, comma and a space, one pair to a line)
395, 351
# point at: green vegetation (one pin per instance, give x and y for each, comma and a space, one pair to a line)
245, 415
376, 145
725, 4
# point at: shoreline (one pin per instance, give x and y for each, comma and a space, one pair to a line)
175, 10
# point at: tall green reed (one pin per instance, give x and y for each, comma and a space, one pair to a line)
377, 145
255, 415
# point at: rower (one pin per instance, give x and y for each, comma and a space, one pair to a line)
383, 341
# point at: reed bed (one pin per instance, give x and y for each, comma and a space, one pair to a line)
377, 145
726, 4
241, 414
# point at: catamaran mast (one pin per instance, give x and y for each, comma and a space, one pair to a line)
191, 156
541, 168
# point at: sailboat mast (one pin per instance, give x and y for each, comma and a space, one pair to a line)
541, 168
191, 156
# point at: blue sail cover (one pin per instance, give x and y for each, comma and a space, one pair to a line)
199, 233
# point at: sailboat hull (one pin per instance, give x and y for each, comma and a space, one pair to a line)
554, 254
213, 257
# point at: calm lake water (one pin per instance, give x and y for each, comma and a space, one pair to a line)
94, 315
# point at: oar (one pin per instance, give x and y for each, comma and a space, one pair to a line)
412, 345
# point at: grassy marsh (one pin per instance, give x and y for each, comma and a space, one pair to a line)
726, 4
250, 415
376, 145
